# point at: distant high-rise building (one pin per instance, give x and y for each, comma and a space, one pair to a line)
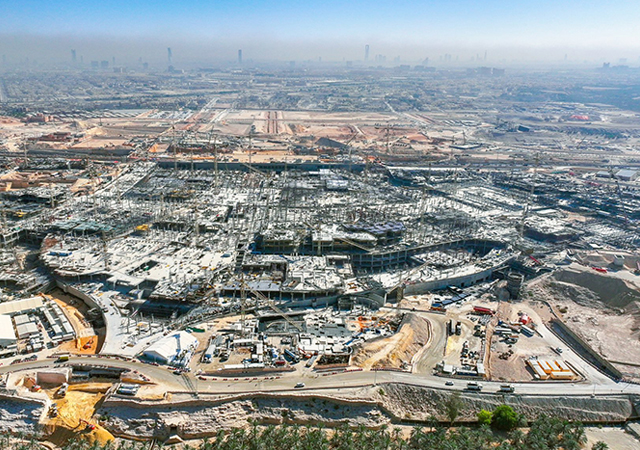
240, 56
73, 56
497, 72
169, 55
366, 52
113, 60
485, 55
95, 64
104, 64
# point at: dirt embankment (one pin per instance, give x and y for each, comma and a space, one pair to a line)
19, 415
76, 411
200, 418
371, 407
591, 287
604, 310
393, 351
415, 403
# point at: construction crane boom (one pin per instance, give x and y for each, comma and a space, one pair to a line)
271, 304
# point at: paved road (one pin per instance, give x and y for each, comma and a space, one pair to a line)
435, 353
334, 382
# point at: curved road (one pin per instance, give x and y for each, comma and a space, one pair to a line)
332, 382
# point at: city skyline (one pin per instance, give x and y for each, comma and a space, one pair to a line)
333, 31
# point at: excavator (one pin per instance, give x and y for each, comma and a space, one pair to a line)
88, 344
89, 425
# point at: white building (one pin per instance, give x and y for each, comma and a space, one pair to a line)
627, 175
171, 348
28, 329
7, 334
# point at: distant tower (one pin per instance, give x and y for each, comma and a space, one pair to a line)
169, 55
240, 56
73, 56
113, 61
485, 55
366, 52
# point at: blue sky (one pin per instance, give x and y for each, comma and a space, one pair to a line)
289, 25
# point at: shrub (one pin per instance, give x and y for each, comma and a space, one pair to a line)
504, 418
484, 417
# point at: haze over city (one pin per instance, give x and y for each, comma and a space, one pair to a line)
204, 32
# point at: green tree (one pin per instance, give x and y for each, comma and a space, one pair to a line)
504, 418
452, 407
600, 446
484, 417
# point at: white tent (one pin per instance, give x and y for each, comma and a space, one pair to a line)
7, 334
25, 304
170, 347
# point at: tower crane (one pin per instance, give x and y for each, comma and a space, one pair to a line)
349, 148
619, 192
527, 206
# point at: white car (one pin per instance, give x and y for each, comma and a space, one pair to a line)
300, 385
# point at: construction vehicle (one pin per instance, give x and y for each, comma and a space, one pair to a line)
482, 310
63, 358
53, 410
62, 392
88, 344
89, 425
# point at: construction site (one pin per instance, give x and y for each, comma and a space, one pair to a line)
245, 259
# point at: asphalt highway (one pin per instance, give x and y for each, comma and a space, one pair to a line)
332, 381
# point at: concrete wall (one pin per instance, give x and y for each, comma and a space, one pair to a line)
53, 376
606, 367
460, 281
90, 301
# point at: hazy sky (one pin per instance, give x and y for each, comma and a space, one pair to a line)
299, 29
